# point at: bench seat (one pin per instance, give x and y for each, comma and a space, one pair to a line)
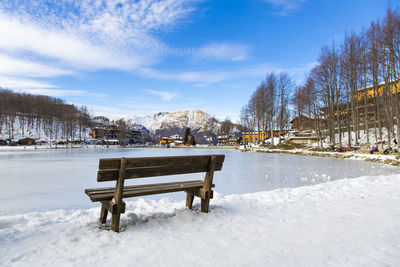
103, 194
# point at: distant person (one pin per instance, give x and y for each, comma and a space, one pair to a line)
388, 150
373, 150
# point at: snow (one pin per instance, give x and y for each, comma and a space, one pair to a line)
363, 137
37, 132
194, 119
268, 210
348, 222
393, 159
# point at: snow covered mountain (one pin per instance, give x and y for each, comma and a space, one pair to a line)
195, 119
170, 123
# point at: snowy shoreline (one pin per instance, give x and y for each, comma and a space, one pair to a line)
385, 159
46, 147
379, 158
351, 222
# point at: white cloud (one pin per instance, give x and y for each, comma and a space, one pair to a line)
27, 68
207, 77
188, 76
222, 51
72, 36
285, 6
60, 93
166, 96
15, 83
110, 112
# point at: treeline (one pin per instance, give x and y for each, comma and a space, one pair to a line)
334, 87
267, 108
354, 88
51, 116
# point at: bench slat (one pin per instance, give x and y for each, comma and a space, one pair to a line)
112, 174
101, 194
157, 167
113, 163
133, 187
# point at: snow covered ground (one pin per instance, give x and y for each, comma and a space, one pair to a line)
392, 159
298, 212
349, 222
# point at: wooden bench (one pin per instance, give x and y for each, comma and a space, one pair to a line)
119, 169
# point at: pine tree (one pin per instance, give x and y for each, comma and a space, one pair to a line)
187, 135
191, 140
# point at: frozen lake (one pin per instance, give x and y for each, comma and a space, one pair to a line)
53, 179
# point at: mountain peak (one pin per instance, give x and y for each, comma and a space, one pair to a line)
195, 119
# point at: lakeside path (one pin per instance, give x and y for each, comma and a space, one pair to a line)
380, 158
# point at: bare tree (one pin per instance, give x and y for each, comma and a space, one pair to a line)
284, 85
226, 127
350, 73
211, 127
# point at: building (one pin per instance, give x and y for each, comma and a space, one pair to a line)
173, 139
372, 91
304, 137
101, 120
303, 123
114, 135
134, 137
229, 140
98, 132
27, 141
257, 137
365, 104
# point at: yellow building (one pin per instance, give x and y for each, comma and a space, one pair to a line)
255, 137
371, 92
365, 109
177, 139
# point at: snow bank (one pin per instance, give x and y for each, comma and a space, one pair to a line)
374, 137
351, 222
392, 159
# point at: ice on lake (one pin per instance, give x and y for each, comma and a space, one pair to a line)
53, 179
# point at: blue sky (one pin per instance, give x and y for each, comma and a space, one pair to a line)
132, 58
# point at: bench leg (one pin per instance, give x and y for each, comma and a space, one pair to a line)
205, 204
103, 213
189, 199
115, 222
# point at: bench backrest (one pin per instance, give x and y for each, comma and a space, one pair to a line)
109, 169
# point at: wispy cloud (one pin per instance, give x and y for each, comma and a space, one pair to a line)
166, 96
222, 51
60, 93
87, 35
28, 68
18, 82
207, 77
284, 7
